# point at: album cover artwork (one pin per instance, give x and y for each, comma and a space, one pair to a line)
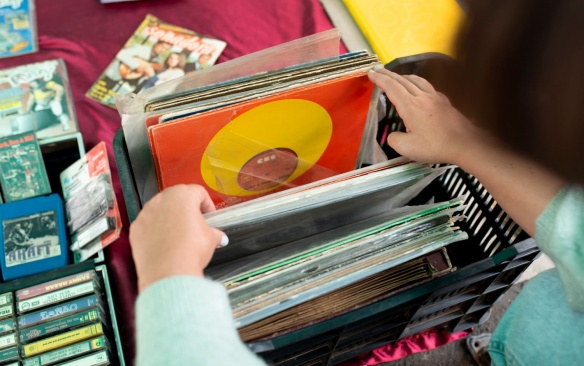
17, 27
246, 150
36, 97
31, 238
34, 237
22, 170
157, 52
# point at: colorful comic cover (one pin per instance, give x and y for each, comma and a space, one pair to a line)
36, 97
17, 27
22, 170
157, 52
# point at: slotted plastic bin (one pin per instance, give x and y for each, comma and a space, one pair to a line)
488, 263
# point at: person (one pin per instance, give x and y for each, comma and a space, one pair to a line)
171, 245
49, 96
19, 237
174, 67
134, 63
521, 84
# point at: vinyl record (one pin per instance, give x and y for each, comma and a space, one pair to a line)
266, 147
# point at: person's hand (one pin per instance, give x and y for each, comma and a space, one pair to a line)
170, 236
435, 131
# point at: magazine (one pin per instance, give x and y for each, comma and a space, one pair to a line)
36, 97
157, 52
17, 27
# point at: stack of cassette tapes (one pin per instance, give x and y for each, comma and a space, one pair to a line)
61, 322
8, 337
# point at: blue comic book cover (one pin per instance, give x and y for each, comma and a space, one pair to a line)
17, 27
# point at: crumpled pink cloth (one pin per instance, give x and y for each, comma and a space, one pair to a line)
416, 343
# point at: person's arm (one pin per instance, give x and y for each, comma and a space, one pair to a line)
181, 317
536, 199
438, 133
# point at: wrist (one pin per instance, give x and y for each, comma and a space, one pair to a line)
146, 281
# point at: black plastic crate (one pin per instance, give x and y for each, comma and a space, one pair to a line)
493, 257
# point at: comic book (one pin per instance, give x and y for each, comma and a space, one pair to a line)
157, 52
36, 97
17, 27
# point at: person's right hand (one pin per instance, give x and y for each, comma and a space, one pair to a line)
170, 236
436, 131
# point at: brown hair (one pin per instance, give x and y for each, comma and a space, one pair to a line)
182, 60
522, 77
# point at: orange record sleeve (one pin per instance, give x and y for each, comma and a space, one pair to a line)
253, 148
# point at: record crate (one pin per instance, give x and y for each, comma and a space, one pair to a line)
487, 264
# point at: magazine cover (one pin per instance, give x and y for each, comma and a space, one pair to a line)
17, 27
36, 97
22, 170
156, 52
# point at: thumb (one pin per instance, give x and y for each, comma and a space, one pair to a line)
221, 238
399, 141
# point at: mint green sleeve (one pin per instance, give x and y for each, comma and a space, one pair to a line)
187, 320
559, 233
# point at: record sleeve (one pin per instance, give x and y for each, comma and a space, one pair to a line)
34, 238
250, 149
36, 97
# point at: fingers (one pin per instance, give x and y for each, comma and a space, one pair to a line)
412, 88
397, 94
222, 238
421, 83
399, 141
206, 204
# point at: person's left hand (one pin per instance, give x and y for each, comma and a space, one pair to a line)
436, 131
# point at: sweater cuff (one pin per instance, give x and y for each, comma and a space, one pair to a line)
200, 300
545, 224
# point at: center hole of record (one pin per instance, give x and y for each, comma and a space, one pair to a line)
267, 169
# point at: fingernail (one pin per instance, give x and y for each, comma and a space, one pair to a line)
377, 67
224, 241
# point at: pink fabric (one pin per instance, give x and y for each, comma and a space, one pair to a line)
420, 342
87, 35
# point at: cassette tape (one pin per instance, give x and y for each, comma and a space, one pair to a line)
61, 310
62, 340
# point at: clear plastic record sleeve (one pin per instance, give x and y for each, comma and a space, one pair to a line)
305, 211
315, 48
307, 288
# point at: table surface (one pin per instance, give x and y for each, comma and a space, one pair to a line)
87, 35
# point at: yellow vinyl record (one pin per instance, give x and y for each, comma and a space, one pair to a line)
266, 147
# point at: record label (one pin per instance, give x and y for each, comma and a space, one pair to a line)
266, 147
267, 169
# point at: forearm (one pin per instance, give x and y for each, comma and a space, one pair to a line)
186, 320
522, 187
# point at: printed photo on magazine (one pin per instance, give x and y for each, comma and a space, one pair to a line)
157, 52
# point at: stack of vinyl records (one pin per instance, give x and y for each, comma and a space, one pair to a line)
279, 140
349, 231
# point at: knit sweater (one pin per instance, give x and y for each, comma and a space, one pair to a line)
187, 320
